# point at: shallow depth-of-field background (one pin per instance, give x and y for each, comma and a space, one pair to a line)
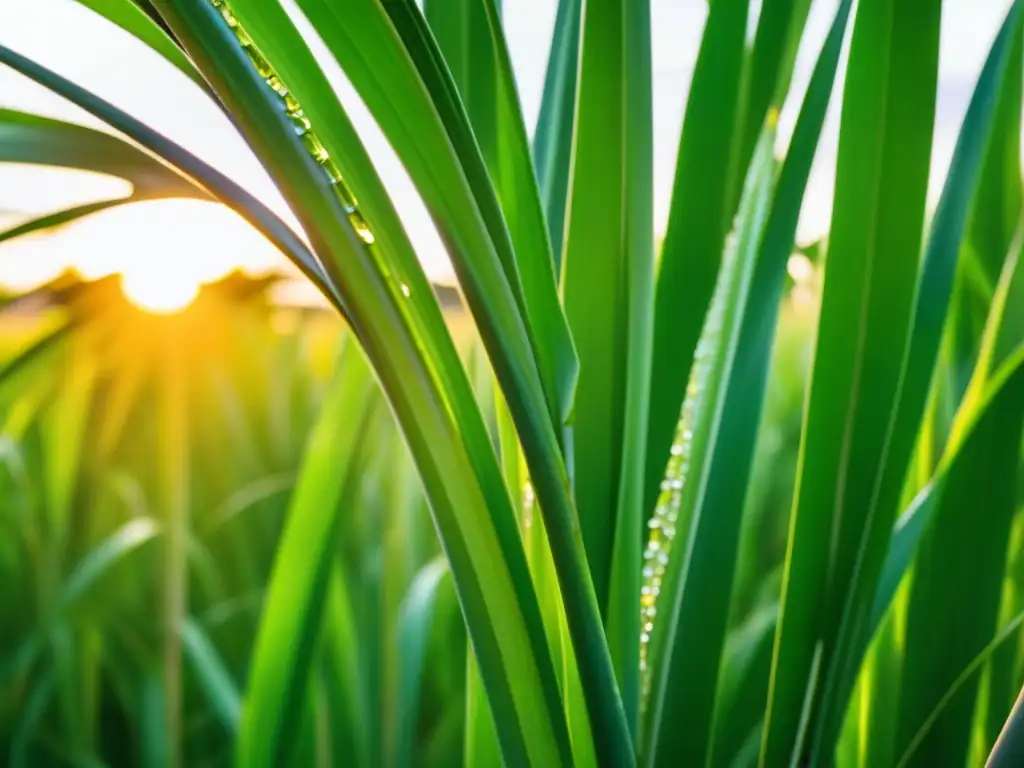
651, 478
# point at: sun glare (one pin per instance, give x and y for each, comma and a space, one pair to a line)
164, 250
158, 292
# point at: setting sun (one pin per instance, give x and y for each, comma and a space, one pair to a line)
158, 291
164, 250
174, 248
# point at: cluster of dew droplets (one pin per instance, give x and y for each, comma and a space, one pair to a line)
665, 521
528, 502
301, 124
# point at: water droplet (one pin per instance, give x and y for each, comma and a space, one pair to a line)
277, 85
242, 36
229, 17
300, 122
362, 228
315, 147
259, 62
407, 293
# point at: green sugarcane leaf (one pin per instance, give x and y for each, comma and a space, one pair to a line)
388, 53
417, 614
26, 138
698, 222
966, 677
292, 615
407, 374
104, 557
213, 678
965, 593
377, 48
929, 316
768, 70
345, 672
728, 453
275, 38
464, 39
609, 264
552, 140
866, 312
686, 685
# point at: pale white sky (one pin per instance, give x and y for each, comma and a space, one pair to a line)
207, 240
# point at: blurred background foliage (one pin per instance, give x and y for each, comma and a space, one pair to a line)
83, 469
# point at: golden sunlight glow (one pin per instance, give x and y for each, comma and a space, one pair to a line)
158, 293
165, 250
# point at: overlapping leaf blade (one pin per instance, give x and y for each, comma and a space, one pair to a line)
881, 183
698, 222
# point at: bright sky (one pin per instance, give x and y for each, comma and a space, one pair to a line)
154, 240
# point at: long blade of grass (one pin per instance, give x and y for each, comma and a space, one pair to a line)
687, 680
346, 672
952, 693
767, 72
276, 38
26, 138
213, 678
391, 58
414, 631
697, 225
947, 591
100, 560
481, 455
506, 152
552, 140
730, 454
931, 301
291, 615
358, 34
459, 495
464, 38
878, 216
609, 264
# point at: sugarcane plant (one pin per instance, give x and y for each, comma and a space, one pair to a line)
593, 525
